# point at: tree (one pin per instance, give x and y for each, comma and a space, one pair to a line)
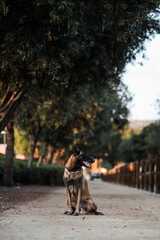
27, 54
44, 150
31, 119
102, 133
151, 135
141, 146
75, 48
22, 141
132, 149
8, 167
73, 43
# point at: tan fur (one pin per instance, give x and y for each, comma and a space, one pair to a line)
78, 196
71, 163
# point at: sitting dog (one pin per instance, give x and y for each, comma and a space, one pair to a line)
78, 197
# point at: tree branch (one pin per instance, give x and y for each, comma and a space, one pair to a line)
5, 97
8, 103
10, 110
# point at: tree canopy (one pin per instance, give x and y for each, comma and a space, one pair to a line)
141, 146
67, 58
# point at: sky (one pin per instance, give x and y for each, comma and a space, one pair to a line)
144, 83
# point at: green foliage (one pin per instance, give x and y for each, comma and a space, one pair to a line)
141, 146
132, 149
68, 57
151, 135
50, 175
72, 44
126, 132
22, 142
44, 175
3, 8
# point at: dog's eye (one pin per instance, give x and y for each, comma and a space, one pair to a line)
80, 157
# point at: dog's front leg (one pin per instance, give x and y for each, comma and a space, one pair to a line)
69, 212
76, 213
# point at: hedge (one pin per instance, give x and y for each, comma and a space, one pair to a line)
43, 175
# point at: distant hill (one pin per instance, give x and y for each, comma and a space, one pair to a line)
139, 124
135, 126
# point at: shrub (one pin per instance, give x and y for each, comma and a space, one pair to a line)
48, 175
44, 175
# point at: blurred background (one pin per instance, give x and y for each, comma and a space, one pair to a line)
72, 72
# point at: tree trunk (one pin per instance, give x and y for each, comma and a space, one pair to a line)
50, 157
32, 150
42, 154
33, 146
8, 166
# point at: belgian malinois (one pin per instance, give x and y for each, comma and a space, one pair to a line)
78, 197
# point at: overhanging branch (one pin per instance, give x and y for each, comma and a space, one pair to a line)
10, 110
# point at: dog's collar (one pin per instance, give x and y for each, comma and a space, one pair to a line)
73, 169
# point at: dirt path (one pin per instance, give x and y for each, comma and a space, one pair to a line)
129, 214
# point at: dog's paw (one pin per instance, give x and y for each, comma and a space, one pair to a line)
69, 213
99, 213
76, 214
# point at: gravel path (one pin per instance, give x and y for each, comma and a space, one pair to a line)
129, 214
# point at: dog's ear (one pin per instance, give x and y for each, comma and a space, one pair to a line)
77, 149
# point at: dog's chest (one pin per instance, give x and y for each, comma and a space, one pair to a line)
72, 178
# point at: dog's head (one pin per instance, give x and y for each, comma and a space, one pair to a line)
82, 158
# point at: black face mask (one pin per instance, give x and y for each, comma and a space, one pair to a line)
84, 160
